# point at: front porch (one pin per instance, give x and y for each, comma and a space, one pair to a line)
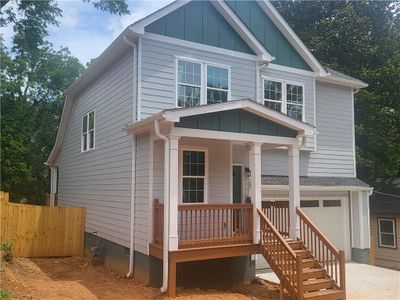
205, 172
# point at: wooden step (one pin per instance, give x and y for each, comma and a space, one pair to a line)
309, 263
331, 294
303, 253
318, 284
313, 273
296, 244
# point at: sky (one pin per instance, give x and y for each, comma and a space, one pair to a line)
87, 31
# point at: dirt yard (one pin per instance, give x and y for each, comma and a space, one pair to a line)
75, 278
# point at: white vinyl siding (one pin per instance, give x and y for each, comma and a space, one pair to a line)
100, 180
159, 78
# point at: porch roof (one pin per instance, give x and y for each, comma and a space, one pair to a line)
174, 115
314, 182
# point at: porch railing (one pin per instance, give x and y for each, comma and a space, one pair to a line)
202, 225
330, 258
278, 213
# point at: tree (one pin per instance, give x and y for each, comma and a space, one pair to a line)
33, 77
362, 39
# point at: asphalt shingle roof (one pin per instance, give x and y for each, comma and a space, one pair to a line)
386, 197
314, 181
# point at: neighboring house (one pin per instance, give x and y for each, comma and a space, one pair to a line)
385, 223
217, 107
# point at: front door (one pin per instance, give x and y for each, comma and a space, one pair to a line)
237, 184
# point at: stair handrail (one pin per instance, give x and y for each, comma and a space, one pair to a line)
339, 254
292, 283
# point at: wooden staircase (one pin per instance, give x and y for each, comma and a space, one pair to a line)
308, 268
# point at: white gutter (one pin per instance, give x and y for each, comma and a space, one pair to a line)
166, 204
133, 169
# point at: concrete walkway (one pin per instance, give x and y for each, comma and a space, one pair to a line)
364, 282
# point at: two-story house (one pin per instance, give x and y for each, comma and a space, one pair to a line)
207, 133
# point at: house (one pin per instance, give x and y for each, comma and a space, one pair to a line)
205, 134
385, 222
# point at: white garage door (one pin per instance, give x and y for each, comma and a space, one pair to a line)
332, 219
331, 216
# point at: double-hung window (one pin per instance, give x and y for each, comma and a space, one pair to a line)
88, 132
193, 176
201, 83
285, 97
387, 232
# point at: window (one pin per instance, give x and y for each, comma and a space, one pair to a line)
217, 84
193, 176
193, 90
88, 132
332, 203
273, 94
287, 98
309, 203
189, 83
387, 232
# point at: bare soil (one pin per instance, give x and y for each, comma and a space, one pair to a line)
75, 278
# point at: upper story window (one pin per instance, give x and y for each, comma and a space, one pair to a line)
217, 84
189, 83
88, 132
201, 83
287, 98
387, 232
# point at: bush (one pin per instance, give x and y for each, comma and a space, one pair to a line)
4, 295
5, 252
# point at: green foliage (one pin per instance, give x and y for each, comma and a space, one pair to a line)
362, 39
4, 295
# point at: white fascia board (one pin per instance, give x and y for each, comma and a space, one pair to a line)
61, 131
340, 81
292, 37
242, 30
317, 188
139, 26
290, 70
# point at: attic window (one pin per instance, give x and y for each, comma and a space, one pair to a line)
88, 132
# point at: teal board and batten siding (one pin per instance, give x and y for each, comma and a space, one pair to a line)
100, 179
200, 22
238, 120
268, 34
334, 155
158, 88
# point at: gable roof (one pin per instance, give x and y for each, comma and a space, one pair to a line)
176, 114
224, 10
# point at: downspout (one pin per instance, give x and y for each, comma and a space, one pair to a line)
133, 170
166, 205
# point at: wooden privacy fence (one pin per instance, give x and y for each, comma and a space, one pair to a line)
41, 231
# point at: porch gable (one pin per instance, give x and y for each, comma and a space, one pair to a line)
236, 120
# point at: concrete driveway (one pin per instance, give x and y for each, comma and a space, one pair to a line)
364, 282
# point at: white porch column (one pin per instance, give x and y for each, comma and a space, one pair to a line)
255, 187
294, 191
173, 192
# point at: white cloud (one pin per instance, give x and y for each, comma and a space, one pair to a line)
86, 31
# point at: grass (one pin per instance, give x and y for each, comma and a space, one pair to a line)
4, 295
